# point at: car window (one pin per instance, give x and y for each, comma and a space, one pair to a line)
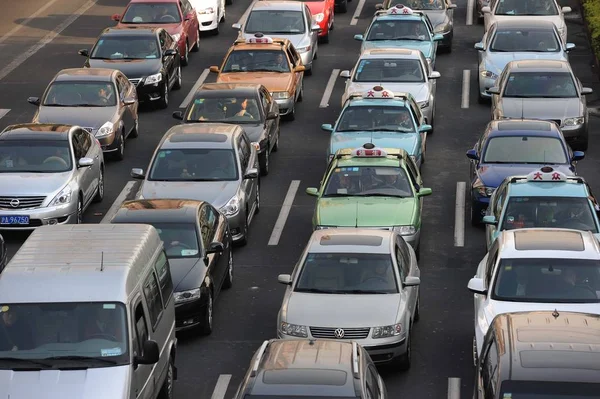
524, 149
403, 254
388, 29
376, 118
273, 22
524, 39
119, 47
290, 53
540, 85
151, 13
238, 109
416, 111
207, 225
153, 299
194, 164
180, 239
74, 94
491, 263
389, 70
141, 330
168, 41
367, 180
163, 272
121, 87
427, 4
246, 150
256, 61
264, 101
84, 140
400, 261
490, 370
185, 7
48, 156
499, 197
526, 8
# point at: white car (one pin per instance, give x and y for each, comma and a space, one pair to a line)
538, 269
547, 10
399, 70
210, 14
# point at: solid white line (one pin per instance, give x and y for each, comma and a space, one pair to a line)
21, 58
114, 208
329, 88
198, 83
470, 10
459, 215
26, 21
453, 388
356, 15
221, 387
3, 112
245, 14
466, 88
284, 213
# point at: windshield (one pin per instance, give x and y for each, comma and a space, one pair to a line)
224, 109
35, 156
520, 7
389, 70
549, 389
196, 164
180, 239
126, 48
425, 4
297, 397
354, 273
74, 94
559, 212
515, 40
88, 334
387, 29
152, 13
257, 61
373, 118
275, 22
540, 85
368, 181
525, 149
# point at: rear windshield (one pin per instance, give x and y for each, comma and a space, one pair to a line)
549, 390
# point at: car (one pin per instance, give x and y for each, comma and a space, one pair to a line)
541, 269
327, 368
401, 27
384, 119
323, 12
101, 100
247, 104
514, 147
178, 17
157, 69
543, 198
509, 40
212, 162
3, 253
291, 20
478, 13
273, 63
400, 70
198, 246
544, 89
360, 285
546, 10
211, 14
370, 187
49, 175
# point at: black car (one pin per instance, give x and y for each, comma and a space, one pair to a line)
149, 57
2, 254
198, 245
246, 104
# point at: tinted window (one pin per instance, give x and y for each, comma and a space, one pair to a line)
125, 47
275, 22
520, 7
40, 156
85, 141
256, 61
237, 110
540, 84
427, 4
388, 29
180, 239
365, 181
91, 94
164, 277
207, 225
151, 13
194, 165
141, 329
244, 152
513, 40
525, 149
376, 118
389, 70
549, 390
153, 300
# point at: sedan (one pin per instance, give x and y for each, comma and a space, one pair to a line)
178, 17
323, 12
211, 13
103, 101
198, 247
543, 89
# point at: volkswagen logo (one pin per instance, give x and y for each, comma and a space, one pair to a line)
15, 203
339, 333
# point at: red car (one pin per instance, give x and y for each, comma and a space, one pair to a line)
178, 17
323, 12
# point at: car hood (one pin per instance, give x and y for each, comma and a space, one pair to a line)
437, 17
495, 62
495, 308
133, 69
407, 141
420, 91
187, 273
216, 193
273, 81
425, 47
173, 28
492, 174
32, 184
366, 211
73, 384
339, 311
541, 108
255, 132
93, 117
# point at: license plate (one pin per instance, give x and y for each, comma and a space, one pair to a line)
14, 220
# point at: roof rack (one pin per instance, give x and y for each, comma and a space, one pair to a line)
259, 356
355, 368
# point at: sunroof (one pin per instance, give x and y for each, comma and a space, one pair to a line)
297, 376
524, 125
198, 138
536, 240
348, 239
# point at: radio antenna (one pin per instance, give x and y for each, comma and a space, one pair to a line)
102, 261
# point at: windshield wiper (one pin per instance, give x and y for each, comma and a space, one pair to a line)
89, 105
363, 292
520, 96
316, 291
339, 195
83, 358
100, 58
23, 361
265, 70
384, 195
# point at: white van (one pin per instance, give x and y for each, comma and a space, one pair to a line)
87, 311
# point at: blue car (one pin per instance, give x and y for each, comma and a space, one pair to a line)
378, 116
511, 148
401, 27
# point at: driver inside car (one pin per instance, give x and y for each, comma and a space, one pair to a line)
104, 325
248, 109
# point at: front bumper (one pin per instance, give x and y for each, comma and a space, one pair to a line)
573, 133
64, 214
307, 58
285, 106
236, 225
109, 143
190, 314
479, 204
151, 92
484, 85
446, 42
208, 21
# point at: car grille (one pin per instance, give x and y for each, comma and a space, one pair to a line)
21, 202
88, 129
135, 82
349, 333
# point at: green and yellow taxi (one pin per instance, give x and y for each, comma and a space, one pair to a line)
371, 187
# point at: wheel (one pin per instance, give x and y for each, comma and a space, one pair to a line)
474, 351
100, 192
475, 217
163, 103
418, 251
228, 282
481, 99
292, 115
79, 215
418, 310
244, 240
325, 39
257, 200
228, 2
136, 129
166, 391
217, 30
404, 361
276, 145
263, 162
177, 84
185, 60
343, 7
120, 153
581, 144
207, 324
301, 94
196, 47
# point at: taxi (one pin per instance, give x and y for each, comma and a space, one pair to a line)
383, 118
274, 63
544, 198
371, 187
400, 26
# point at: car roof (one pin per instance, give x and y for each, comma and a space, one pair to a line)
528, 127
278, 5
278, 44
228, 88
153, 1
36, 131
527, 24
387, 52
158, 211
416, 16
538, 66
131, 31
574, 186
351, 241
548, 243
200, 135
85, 74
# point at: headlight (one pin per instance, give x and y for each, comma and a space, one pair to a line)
176, 36
423, 104
293, 329
405, 230
105, 130
488, 75
387, 331
303, 49
62, 198
153, 79
232, 207
187, 296
319, 17
208, 10
443, 28
281, 95
574, 121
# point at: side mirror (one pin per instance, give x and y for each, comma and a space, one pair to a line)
300, 68
586, 90
479, 46
472, 154
424, 192
451, 6
360, 38
237, 26
84, 52
569, 46
151, 353
252, 173
33, 100
327, 127
214, 69
490, 219
272, 115
116, 17
486, 10
345, 74
315, 28
566, 10
312, 191
177, 115
412, 281
435, 75
425, 128
379, 6
169, 53
137, 173
578, 156
476, 286
215, 248
494, 90
128, 101
438, 37
284, 279
85, 162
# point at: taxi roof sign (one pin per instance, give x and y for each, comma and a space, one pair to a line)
369, 150
546, 174
399, 9
378, 92
259, 38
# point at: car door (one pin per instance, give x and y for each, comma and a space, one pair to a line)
207, 234
248, 189
272, 125
87, 176
125, 115
142, 387
295, 61
168, 63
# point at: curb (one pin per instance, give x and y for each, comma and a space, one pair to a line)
589, 35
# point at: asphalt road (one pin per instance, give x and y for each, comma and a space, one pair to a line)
246, 314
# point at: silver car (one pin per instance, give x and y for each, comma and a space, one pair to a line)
354, 284
290, 20
547, 90
49, 175
212, 162
510, 40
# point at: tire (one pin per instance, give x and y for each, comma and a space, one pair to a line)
166, 391
292, 115
418, 251
343, 7
481, 99
475, 217
136, 129
417, 311
163, 103
276, 145
196, 47
79, 216
207, 324
228, 282
301, 95
582, 142
325, 39
257, 201
120, 153
405, 360
185, 60
263, 162
100, 192
228, 2
217, 30
177, 84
